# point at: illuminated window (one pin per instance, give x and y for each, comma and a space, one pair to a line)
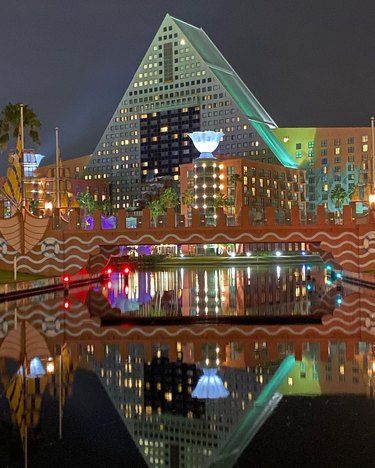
337, 150
365, 148
163, 129
364, 138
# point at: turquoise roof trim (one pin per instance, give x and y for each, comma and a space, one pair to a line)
241, 94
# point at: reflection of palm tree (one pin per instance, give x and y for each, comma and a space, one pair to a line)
10, 122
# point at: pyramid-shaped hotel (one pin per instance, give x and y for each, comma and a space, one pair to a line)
184, 84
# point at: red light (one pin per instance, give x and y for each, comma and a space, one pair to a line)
66, 279
126, 270
109, 285
109, 271
66, 305
126, 290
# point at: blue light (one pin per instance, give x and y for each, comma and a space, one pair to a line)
210, 386
309, 287
338, 300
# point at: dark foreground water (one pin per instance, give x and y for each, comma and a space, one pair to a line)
286, 393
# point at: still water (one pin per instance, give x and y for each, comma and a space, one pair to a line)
123, 379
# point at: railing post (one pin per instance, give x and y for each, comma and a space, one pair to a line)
270, 215
295, 215
73, 220
220, 218
347, 214
146, 218
171, 218
244, 219
97, 218
121, 218
321, 215
195, 218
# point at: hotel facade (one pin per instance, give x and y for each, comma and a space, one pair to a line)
184, 84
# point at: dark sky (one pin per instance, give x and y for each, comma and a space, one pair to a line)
309, 62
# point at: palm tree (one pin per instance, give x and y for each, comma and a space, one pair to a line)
86, 202
187, 198
106, 207
233, 180
10, 122
156, 209
220, 200
169, 199
338, 195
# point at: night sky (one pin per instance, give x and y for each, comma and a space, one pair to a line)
309, 62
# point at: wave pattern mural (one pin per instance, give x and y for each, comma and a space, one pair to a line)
41, 249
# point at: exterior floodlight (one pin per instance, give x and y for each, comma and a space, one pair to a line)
278, 253
206, 142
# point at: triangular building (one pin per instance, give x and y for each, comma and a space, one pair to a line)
183, 84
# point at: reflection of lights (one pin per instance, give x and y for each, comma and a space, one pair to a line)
278, 271
50, 367
36, 368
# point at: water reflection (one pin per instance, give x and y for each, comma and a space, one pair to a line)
151, 374
251, 291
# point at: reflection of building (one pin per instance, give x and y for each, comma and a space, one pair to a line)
168, 386
168, 425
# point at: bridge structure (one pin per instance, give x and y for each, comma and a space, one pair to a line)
34, 245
